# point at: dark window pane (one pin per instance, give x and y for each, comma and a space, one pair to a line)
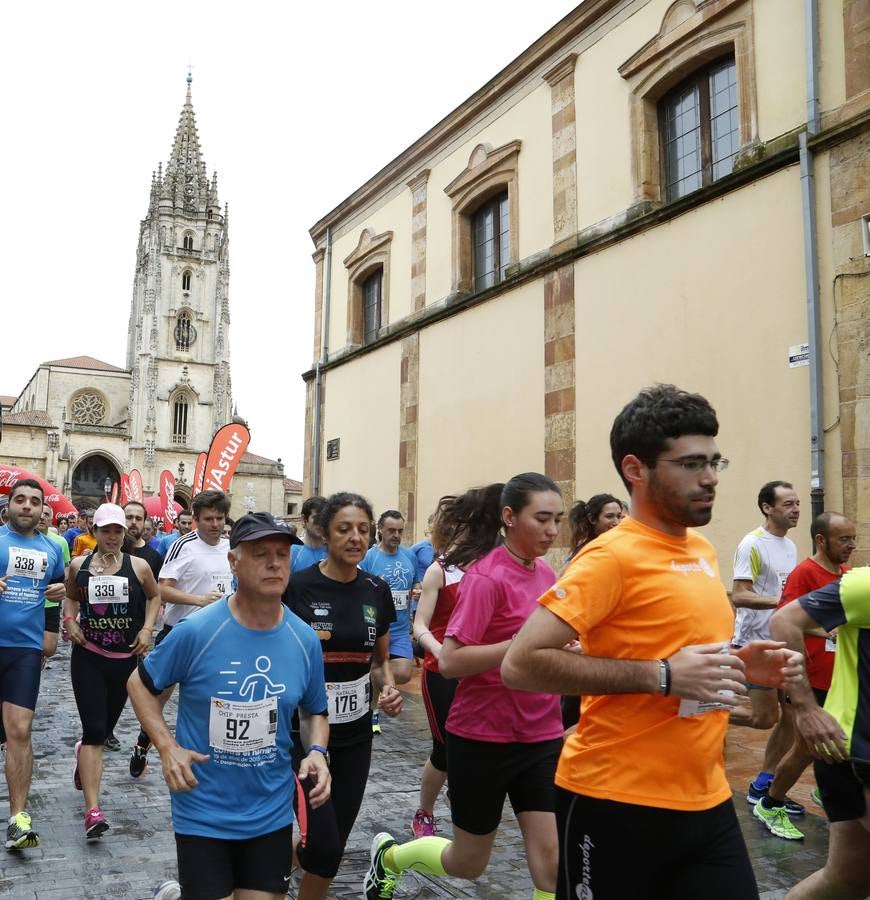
372, 293
490, 230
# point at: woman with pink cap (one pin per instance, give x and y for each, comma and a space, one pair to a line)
112, 601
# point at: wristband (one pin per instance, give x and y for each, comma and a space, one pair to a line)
664, 677
320, 749
69, 618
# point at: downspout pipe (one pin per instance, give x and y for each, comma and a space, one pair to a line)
811, 258
317, 450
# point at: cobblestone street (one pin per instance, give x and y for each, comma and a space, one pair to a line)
139, 850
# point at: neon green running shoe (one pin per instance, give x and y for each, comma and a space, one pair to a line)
776, 821
20, 834
380, 882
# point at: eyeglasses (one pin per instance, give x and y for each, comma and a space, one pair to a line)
698, 463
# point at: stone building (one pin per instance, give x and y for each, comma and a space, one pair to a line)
80, 421
652, 191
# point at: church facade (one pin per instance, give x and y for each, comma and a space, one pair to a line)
79, 421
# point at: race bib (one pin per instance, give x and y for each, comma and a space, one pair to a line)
103, 589
27, 563
348, 700
236, 727
830, 646
700, 707
222, 582
400, 600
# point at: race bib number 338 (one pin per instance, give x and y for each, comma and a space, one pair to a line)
236, 727
27, 563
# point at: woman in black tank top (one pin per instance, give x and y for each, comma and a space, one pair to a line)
110, 609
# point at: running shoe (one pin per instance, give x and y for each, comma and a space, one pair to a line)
792, 807
112, 743
138, 761
423, 825
20, 834
376, 722
816, 797
95, 823
380, 882
776, 821
755, 793
77, 779
168, 890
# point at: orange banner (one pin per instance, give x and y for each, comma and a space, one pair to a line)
227, 449
198, 473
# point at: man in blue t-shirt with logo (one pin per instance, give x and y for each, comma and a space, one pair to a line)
395, 564
244, 664
31, 572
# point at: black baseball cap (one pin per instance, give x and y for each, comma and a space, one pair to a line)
253, 526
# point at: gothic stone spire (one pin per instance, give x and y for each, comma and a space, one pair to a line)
185, 182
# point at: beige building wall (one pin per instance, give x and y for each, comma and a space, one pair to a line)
722, 328
363, 411
481, 397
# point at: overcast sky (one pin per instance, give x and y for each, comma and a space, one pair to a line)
92, 95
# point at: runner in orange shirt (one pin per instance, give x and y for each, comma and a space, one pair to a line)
644, 773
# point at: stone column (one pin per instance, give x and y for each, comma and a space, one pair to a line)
561, 81
409, 399
418, 187
856, 34
560, 416
318, 257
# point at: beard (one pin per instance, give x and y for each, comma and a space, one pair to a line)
678, 506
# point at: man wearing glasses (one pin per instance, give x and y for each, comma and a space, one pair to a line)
763, 561
646, 766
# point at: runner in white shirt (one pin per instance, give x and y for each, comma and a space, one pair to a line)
763, 562
195, 573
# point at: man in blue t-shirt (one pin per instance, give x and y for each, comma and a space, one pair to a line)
31, 572
397, 566
312, 548
243, 664
183, 526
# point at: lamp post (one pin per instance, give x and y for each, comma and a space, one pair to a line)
107, 488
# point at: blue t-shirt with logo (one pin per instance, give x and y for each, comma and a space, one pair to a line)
302, 556
399, 570
28, 565
239, 688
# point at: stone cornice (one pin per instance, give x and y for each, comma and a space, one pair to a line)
546, 47
419, 181
561, 70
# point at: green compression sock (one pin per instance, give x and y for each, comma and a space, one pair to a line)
543, 895
422, 855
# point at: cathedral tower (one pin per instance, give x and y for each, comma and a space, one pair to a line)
178, 342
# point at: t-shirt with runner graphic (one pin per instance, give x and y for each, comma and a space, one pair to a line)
111, 608
348, 617
399, 570
496, 596
637, 593
302, 556
239, 690
28, 565
819, 659
845, 605
198, 568
766, 560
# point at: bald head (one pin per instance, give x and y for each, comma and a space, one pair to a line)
834, 537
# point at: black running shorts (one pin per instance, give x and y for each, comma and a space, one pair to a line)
210, 867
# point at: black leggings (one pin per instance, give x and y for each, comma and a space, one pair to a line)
100, 688
675, 855
330, 825
438, 694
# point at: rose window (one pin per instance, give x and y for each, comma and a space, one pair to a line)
88, 409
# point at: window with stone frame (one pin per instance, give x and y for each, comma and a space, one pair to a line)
180, 419
185, 280
185, 333
490, 238
88, 407
187, 240
368, 287
484, 196
700, 132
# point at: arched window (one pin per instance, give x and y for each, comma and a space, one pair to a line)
185, 280
185, 333
187, 243
88, 407
700, 129
180, 419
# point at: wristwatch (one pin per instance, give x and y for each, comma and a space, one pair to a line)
320, 749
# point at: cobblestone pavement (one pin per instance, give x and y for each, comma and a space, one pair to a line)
139, 851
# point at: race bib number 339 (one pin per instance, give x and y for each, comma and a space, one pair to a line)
108, 589
236, 727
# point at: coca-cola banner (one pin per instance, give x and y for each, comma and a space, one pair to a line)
135, 482
53, 497
227, 448
114, 497
125, 489
167, 498
154, 510
199, 473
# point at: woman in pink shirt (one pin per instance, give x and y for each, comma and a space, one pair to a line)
500, 742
